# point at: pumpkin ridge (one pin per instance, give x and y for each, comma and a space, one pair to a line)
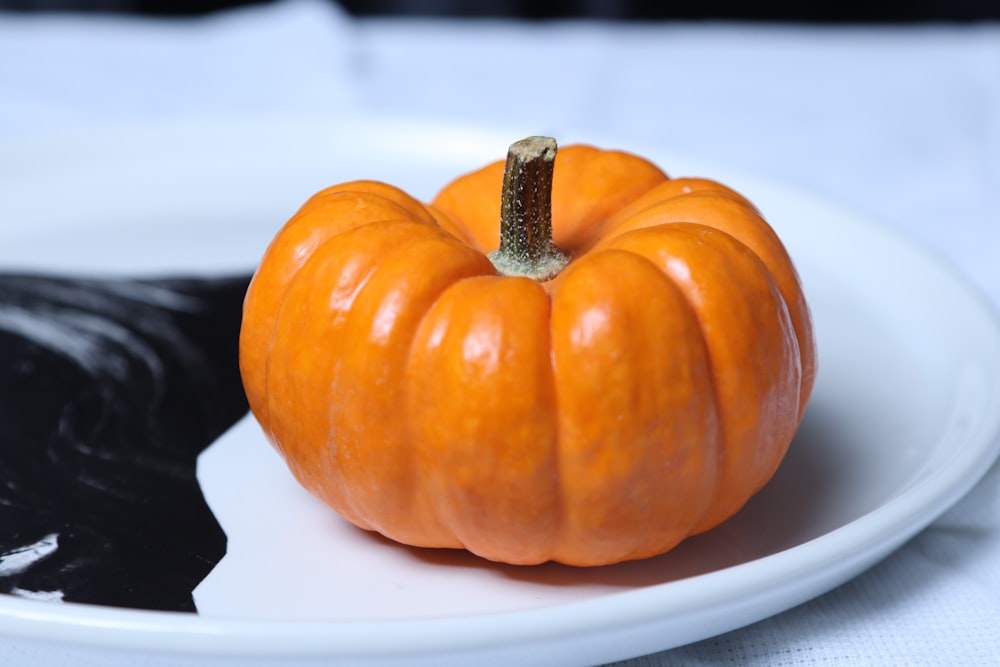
720, 425
671, 445
319, 260
497, 392
291, 279
296, 239
759, 239
589, 185
558, 532
661, 212
411, 298
671, 188
717, 402
408, 204
447, 535
611, 227
720, 239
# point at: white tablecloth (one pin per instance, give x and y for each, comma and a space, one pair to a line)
900, 123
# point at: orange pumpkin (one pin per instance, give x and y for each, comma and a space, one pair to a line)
637, 391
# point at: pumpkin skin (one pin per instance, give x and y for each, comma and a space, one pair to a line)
639, 397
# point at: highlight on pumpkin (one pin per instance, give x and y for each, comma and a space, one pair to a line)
596, 409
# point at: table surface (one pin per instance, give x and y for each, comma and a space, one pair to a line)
901, 123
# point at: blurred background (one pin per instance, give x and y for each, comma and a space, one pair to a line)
835, 11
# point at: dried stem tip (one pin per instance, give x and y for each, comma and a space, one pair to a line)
526, 247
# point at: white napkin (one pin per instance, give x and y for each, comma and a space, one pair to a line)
901, 123
65, 71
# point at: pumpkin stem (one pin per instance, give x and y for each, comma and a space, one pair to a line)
526, 247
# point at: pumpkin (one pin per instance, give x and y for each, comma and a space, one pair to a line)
573, 359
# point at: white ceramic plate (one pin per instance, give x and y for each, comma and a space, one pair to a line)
904, 419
